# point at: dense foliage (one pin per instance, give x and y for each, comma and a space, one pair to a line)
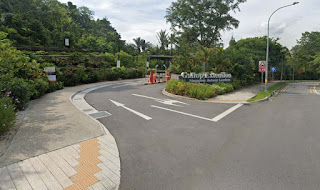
48, 23
196, 90
306, 56
23, 79
203, 21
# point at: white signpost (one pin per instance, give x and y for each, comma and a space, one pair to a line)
118, 64
51, 72
67, 42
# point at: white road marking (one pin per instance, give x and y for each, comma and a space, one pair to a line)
216, 119
131, 110
224, 114
124, 85
163, 101
316, 90
182, 113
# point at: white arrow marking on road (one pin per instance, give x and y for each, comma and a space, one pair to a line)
224, 114
216, 119
163, 101
131, 110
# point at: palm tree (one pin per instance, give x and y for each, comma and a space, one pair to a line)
162, 37
145, 45
138, 43
172, 41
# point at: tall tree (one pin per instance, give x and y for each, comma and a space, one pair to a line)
138, 43
306, 53
163, 39
203, 19
172, 41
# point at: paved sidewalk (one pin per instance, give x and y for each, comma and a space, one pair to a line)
93, 164
240, 96
60, 147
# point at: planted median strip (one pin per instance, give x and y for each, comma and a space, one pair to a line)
264, 94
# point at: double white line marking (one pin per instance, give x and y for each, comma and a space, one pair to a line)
215, 119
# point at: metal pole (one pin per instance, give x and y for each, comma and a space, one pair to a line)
282, 69
267, 62
262, 81
293, 71
265, 87
204, 73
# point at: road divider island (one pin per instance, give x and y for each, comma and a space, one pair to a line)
201, 86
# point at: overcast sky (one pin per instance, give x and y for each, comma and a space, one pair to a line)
144, 18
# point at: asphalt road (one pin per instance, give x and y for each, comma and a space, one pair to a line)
195, 145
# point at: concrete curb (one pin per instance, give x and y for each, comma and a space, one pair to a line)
79, 102
273, 94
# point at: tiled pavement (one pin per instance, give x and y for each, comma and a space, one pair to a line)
92, 164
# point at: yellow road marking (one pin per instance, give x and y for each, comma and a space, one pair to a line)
313, 89
285, 88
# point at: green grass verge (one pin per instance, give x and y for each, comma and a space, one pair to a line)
262, 95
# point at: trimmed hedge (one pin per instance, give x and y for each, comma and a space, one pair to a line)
82, 75
196, 90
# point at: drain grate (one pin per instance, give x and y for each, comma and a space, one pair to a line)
87, 110
100, 114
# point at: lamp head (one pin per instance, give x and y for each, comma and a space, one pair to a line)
295, 3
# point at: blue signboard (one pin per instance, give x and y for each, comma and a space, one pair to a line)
273, 69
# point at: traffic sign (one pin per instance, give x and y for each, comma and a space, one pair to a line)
262, 66
299, 71
273, 69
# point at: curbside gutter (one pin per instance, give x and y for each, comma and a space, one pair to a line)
79, 102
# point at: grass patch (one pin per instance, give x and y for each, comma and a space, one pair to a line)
262, 95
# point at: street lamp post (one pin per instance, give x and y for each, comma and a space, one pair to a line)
265, 86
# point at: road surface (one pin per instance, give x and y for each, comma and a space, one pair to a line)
186, 144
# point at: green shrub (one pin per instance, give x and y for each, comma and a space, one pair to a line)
110, 58
227, 87
171, 85
19, 90
55, 86
236, 83
126, 59
7, 114
218, 89
41, 86
210, 91
134, 73
197, 69
193, 90
120, 72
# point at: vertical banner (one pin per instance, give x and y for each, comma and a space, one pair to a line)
118, 64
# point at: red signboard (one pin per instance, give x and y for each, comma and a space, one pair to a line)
262, 67
299, 71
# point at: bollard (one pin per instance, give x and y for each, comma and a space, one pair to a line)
151, 77
168, 76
